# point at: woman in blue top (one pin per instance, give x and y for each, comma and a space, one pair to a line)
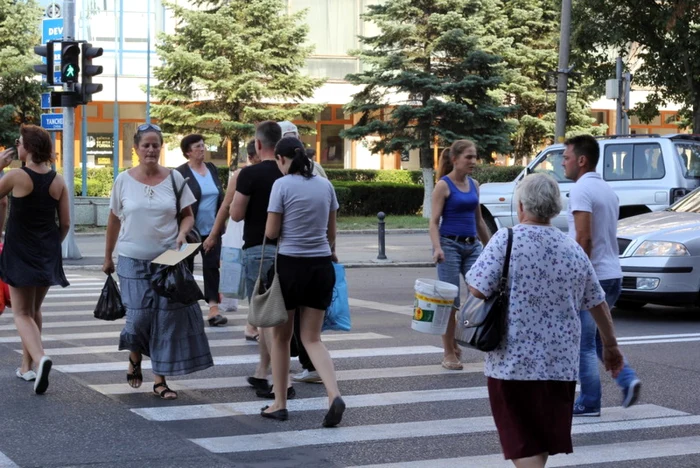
206, 187
456, 227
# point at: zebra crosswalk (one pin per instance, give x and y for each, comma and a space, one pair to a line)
404, 410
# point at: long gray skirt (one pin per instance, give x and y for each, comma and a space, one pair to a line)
170, 333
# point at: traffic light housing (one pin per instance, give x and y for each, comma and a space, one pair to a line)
45, 51
70, 61
86, 87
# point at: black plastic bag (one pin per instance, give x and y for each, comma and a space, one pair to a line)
175, 283
109, 305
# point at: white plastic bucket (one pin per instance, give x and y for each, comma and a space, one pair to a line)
433, 306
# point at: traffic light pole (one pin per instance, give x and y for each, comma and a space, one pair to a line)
69, 248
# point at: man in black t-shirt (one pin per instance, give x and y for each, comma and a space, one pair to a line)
249, 204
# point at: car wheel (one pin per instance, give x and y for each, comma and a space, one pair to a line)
629, 305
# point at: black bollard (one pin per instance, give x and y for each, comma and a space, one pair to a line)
381, 231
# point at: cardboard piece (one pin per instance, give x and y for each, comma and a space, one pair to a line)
173, 257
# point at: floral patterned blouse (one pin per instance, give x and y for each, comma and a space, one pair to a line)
550, 281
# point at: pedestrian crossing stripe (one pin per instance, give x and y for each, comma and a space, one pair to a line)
99, 335
612, 420
254, 358
341, 375
371, 400
583, 455
103, 323
85, 350
6, 462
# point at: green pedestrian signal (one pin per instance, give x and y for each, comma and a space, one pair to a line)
70, 61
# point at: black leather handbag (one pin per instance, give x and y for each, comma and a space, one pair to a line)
481, 324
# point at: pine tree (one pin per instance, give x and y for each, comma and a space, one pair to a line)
425, 77
20, 90
227, 64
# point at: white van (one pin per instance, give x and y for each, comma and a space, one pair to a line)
648, 173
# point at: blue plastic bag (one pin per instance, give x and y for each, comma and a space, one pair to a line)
338, 314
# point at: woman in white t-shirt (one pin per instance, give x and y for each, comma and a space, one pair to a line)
142, 216
302, 213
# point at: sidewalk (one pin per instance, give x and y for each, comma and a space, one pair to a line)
355, 250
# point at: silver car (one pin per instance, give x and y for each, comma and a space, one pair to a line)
660, 255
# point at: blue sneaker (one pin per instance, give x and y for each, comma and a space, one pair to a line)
631, 393
580, 410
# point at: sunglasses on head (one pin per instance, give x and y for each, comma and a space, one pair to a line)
148, 126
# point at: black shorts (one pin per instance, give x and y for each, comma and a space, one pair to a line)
306, 281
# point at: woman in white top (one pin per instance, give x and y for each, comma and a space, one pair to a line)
142, 216
302, 212
532, 373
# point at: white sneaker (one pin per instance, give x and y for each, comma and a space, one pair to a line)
28, 376
306, 376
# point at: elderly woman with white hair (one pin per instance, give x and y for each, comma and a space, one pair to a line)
532, 373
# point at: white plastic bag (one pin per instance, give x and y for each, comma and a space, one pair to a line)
232, 273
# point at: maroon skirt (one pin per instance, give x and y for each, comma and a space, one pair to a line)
532, 416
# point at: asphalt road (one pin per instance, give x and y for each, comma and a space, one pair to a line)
403, 409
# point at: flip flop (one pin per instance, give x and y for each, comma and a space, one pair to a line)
252, 337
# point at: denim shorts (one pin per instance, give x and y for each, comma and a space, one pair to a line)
459, 258
251, 262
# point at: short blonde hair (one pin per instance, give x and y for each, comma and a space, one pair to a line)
540, 196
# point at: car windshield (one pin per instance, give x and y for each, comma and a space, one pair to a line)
689, 156
688, 204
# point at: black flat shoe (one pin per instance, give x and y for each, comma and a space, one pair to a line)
270, 395
217, 321
280, 415
259, 384
335, 413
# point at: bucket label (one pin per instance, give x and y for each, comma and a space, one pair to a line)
423, 315
434, 300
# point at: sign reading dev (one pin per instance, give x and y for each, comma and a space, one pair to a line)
52, 121
52, 30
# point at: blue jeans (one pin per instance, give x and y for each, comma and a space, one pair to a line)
251, 262
459, 258
592, 351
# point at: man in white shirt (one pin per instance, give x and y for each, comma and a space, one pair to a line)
593, 214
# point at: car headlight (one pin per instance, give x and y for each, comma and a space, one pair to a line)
660, 249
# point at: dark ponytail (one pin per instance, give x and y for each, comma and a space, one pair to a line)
291, 147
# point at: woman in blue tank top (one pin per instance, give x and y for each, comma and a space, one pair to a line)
457, 229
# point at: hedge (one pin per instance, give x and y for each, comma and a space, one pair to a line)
100, 179
367, 199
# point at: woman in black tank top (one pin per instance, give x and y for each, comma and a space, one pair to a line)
31, 261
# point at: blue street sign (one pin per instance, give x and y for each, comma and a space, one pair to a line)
52, 121
52, 30
46, 100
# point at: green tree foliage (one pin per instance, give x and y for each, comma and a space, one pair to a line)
659, 41
20, 92
532, 27
426, 77
224, 65
427, 74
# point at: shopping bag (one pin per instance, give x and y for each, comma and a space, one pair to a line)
176, 283
232, 273
109, 305
338, 314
